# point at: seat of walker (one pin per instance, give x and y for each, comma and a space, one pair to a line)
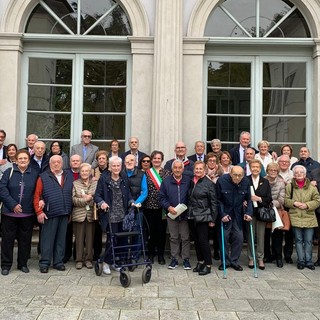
127, 234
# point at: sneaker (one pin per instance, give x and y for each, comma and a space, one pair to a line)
173, 264
186, 264
106, 268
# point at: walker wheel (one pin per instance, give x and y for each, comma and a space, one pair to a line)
98, 268
146, 274
125, 278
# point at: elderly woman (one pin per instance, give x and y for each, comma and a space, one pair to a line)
225, 162
156, 223
145, 163
262, 198
16, 192
56, 149
10, 160
287, 150
302, 205
263, 155
102, 161
216, 147
278, 186
114, 148
213, 168
113, 199
82, 216
202, 213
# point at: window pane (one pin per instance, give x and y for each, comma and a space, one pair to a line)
284, 102
229, 101
226, 128
287, 75
104, 100
48, 98
49, 126
225, 74
50, 71
105, 72
284, 129
105, 127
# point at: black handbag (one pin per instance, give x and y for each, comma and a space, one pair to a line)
266, 214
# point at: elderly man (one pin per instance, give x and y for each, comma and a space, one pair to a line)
181, 151
173, 191
31, 139
86, 150
3, 148
306, 161
53, 206
234, 205
39, 160
199, 155
133, 143
248, 156
237, 152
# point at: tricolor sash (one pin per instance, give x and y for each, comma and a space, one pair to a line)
155, 177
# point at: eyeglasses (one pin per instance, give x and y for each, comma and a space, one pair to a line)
283, 161
180, 147
273, 170
237, 175
87, 136
146, 161
212, 160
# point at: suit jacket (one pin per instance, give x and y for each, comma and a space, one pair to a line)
44, 164
4, 152
90, 156
263, 190
235, 155
140, 155
194, 157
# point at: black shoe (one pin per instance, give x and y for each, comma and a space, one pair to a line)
300, 266
317, 263
161, 260
289, 260
44, 269
279, 263
250, 266
221, 266
206, 270
24, 269
198, 267
268, 260
311, 267
5, 272
60, 267
236, 267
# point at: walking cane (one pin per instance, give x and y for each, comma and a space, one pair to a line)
255, 273
223, 252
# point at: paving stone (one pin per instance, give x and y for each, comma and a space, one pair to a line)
68, 290
252, 283
38, 290
106, 291
196, 304
95, 281
16, 313
268, 305
295, 316
276, 294
194, 282
178, 315
125, 303
31, 278
232, 305
85, 302
279, 284
213, 293
9, 289
310, 284
304, 305
15, 301
257, 315
159, 303
59, 314
139, 314
243, 294
217, 315
306, 294
175, 292
64, 280
221, 283
89, 314
48, 301
142, 292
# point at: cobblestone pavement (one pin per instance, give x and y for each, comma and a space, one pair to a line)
286, 293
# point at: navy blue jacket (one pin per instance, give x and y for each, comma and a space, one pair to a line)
309, 164
57, 198
171, 193
231, 197
188, 167
44, 164
10, 189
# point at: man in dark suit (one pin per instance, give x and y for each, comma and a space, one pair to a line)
86, 150
199, 148
39, 160
133, 143
237, 152
31, 139
3, 148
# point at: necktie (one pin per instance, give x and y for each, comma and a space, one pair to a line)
199, 158
84, 153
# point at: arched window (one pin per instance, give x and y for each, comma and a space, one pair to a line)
255, 81
77, 66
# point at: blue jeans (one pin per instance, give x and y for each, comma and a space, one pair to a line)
303, 239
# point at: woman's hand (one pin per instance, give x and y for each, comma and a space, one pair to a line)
211, 224
256, 198
17, 209
104, 206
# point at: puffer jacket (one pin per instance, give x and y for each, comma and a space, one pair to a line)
277, 191
80, 212
203, 201
308, 194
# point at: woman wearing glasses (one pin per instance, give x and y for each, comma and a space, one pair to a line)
145, 163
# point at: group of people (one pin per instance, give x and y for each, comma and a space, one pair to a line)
196, 198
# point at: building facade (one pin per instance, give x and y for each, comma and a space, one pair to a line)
163, 71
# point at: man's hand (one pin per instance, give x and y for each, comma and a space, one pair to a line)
172, 210
41, 217
104, 207
17, 208
246, 217
226, 218
211, 224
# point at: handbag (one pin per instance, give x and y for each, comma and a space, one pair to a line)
266, 214
284, 215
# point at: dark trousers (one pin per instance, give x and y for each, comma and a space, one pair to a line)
233, 234
69, 242
157, 228
200, 235
288, 246
97, 241
12, 228
318, 233
53, 241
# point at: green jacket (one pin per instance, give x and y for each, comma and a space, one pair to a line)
308, 194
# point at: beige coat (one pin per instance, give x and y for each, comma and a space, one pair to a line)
308, 194
80, 212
